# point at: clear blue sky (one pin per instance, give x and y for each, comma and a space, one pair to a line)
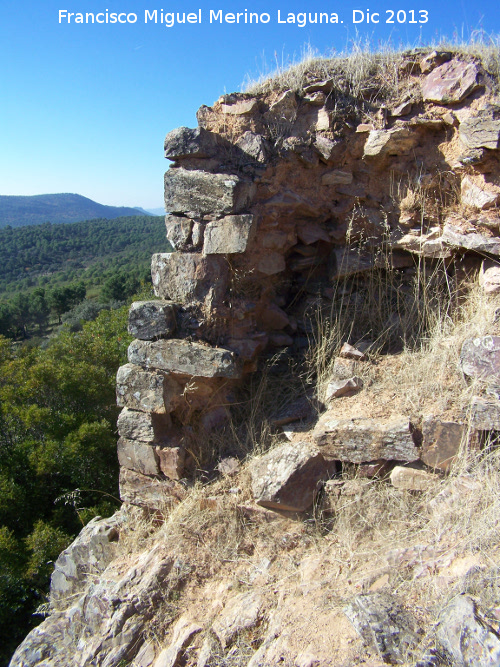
85, 108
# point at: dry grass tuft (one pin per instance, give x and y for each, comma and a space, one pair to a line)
365, 75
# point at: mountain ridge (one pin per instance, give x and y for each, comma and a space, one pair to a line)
24, 210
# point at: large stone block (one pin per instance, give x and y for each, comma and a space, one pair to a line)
138, 456
185, 358
151, 319
199, 192
188, 277
480, 358
451, 82
188, 142
481, 131
286, 478
441, 442
150, 492
143, 426
229, 235
397, 141
473, 241
148, 391
360, 440
485, 414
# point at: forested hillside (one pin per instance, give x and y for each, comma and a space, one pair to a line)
64, 295
58, 457
28, 254
18, 211
47, 270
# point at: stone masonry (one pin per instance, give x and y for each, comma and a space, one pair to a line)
273, 199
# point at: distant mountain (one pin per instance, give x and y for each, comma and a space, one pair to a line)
19, 211
156, 211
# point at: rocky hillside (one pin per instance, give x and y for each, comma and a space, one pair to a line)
308, 439
18, 211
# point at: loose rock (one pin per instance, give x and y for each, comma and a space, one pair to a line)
397, 141
485, 414
480, 131
384, 625
411, 479
441, 442
489, 276
286, 478
343, 388
350, 352
171, 461
473, 241
480, 358
451, 82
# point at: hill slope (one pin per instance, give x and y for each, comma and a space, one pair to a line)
19, 211
93, 246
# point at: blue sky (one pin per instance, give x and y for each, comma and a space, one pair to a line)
85, 108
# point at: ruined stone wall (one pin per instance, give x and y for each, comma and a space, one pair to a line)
272, 200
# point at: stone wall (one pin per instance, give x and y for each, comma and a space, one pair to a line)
272, 200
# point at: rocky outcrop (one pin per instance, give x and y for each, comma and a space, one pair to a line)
105, 625
465, 635
383, 623
84, 559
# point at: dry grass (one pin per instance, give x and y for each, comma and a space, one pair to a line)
429, 546
363, 74
353, 71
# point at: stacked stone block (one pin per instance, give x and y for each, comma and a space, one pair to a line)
274, 199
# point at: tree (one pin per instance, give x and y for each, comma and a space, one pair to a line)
57, 436
62, 299
39, 308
